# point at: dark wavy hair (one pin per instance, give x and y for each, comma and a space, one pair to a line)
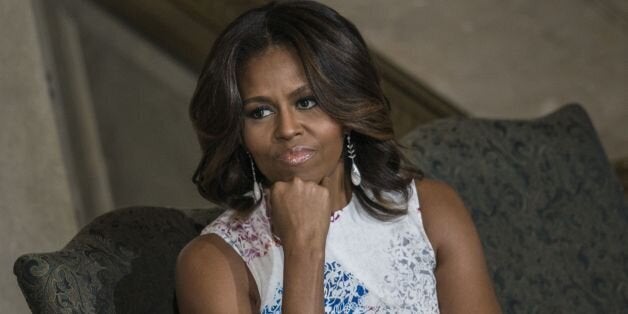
344, 81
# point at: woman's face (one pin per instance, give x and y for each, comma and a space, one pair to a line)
285, 130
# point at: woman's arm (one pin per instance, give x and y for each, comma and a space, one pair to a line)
303, 279
212, 278
300, 214
462, 279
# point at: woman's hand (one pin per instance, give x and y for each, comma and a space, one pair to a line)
300, 212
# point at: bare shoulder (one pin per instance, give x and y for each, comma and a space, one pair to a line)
443, 211
437, 193
212, 278
463, 282
205, 249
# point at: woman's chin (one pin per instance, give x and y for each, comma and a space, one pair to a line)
309, 174
308, 177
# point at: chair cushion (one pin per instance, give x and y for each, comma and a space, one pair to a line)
550, 212
122, 262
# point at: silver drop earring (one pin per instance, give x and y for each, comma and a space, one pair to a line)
356, 177
257, 191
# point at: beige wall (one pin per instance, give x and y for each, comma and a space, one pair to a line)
93, 117
139, 97
512, 58
36, 207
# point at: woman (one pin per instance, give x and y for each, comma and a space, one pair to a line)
324, 210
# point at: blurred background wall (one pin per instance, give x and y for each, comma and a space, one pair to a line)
94, 93
512, 59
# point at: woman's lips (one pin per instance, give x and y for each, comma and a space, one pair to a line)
296, 156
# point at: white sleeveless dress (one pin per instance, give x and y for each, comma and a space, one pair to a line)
371, 266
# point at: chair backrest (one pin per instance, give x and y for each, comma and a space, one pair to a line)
549, 209
122, 262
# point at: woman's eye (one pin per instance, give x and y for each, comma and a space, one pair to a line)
306, 103
260, 112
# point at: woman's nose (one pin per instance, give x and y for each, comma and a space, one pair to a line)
288, 126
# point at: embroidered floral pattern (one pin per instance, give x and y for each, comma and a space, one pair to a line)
400, 276
343, 292
411, 280
274, 307
251, 237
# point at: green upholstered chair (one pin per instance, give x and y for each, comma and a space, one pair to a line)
549, 209
550, 212
122, 262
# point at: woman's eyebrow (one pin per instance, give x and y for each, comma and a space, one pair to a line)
263, 99
295, 93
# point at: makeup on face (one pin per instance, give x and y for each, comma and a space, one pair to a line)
285, 130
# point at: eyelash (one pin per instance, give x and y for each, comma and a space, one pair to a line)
257, 112
308, 98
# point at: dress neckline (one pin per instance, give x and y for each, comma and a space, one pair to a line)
338, 213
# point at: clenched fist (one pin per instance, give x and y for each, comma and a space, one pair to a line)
300, 211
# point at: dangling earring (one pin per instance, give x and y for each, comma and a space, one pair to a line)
257, 192
356, 177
